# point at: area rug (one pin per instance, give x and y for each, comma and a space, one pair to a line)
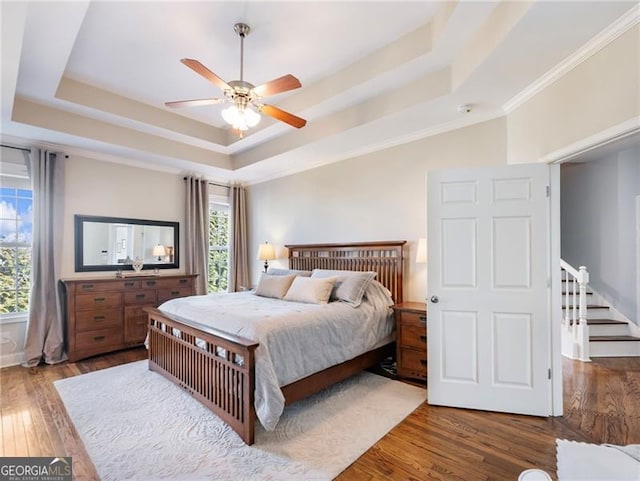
603, 462
136, 425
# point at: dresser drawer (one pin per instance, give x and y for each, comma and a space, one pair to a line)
175, 282
413, 336
95, 286
166, 294
413, 363
143, 296
136, 322
149, 283
98, 300
98, 319
100, 337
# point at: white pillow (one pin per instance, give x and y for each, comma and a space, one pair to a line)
274, 286
349, 286
310, 290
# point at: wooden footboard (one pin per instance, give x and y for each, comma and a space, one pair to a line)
216, 368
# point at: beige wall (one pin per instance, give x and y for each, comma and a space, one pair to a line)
597, 95
379, 196
94, 187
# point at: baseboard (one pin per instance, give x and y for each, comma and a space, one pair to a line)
11, 359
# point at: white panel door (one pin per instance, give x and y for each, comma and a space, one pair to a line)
488, 320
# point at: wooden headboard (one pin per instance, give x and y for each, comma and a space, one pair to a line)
384, 258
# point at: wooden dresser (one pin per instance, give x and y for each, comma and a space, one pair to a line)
411, 339
106, 314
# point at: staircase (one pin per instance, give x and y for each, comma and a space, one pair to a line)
590, 317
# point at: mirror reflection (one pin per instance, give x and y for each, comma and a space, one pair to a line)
110, 243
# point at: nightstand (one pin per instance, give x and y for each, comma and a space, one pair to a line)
411, 339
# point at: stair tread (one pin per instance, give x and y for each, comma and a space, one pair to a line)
605, 321
589, 306
613, 338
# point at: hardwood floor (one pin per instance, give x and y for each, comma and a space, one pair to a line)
601, 402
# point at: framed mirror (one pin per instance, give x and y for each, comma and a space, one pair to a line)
113, 243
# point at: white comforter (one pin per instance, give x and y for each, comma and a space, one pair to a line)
295, 339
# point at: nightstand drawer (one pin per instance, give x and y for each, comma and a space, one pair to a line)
413, 363
413, 318
413, 336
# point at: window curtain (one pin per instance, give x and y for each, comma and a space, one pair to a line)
238, 241
45, 327
197, 232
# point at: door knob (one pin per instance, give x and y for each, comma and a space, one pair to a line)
434, 299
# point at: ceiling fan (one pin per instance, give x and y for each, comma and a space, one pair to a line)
244, 96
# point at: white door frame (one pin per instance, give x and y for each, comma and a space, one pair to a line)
583, 146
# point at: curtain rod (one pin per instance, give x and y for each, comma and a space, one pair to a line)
17, 148
212, 183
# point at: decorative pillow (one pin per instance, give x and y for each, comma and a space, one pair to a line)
274, 286
274, 271
378, 295
310, 290
349, 286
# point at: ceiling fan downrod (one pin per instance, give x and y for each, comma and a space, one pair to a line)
242, 29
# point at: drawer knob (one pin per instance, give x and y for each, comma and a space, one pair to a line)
175, 293
99, 318
129, 284
183, 281
87, 286
423, 319
140, 296
99, 299
423, 362
98, 338
423, 338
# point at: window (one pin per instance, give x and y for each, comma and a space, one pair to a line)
15, 248
218, 247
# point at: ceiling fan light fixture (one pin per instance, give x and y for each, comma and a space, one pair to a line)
240, 119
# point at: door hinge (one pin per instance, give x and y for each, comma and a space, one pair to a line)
549, 373
548, 191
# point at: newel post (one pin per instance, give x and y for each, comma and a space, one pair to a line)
583, 280
583, 327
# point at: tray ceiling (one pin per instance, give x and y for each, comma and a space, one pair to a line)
94, 76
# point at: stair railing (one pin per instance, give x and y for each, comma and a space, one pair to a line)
574, 305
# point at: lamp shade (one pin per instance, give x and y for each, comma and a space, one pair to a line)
266, 252
421, 254
158, 251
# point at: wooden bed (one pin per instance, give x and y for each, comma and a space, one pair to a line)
220, 370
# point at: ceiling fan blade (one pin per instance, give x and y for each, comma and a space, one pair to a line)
206, 73
276, 86
194, 102
280, 114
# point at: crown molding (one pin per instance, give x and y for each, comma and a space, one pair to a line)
600, 139
593, 46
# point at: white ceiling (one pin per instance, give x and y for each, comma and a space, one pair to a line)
94, 76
